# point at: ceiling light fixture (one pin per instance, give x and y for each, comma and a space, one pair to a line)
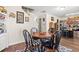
60, 8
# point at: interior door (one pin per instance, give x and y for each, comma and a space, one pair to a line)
39, 25
42, 25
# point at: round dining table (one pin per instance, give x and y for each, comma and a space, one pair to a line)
42, 36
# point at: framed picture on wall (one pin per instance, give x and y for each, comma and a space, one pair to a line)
43, 19
57, 20
52, 18
26, 19
19, 17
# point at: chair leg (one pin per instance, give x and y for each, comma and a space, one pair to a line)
25, 50
57, 50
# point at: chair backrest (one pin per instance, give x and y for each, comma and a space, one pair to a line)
57, 39
51, 30
34, 29
27, 37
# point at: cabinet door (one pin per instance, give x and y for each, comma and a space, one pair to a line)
3, 42
77, 34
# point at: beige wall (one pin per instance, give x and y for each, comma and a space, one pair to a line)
14, 30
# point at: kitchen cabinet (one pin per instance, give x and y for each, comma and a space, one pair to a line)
76, 34
3, 41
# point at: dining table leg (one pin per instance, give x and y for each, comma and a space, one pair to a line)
40, 46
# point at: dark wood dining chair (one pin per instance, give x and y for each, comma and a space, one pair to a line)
35, 42
28, 40
34, 29
51, 30
49, 42
57, 40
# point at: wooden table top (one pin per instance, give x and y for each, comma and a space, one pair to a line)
41, 35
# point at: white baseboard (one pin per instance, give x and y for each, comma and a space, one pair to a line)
15, 43
11, 45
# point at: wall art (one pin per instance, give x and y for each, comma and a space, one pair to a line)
12, 15
19, 17
26, 19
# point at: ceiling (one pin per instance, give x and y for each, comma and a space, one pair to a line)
60, 11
